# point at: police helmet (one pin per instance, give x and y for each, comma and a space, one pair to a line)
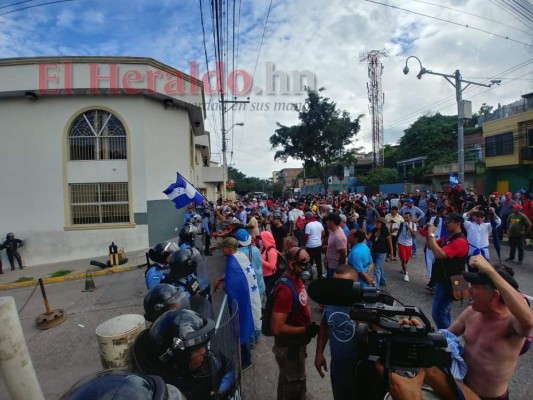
121, 385
187, 233
176, 334
160, 252
162, 298
10, 235
182, 263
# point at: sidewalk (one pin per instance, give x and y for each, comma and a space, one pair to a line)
30, 275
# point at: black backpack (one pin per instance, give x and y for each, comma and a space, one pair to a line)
281, 263
266, 317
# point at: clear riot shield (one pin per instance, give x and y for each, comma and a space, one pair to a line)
225, 345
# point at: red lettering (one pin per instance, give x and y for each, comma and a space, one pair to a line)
130, 77
246, 82
67, 85
193, 72
95, 77
44, 78
150, 77
176, 84
206, 79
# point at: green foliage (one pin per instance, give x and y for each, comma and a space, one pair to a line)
245, 184
379, 175
391, 155
277, 189
321, 137
24, 279
61, 272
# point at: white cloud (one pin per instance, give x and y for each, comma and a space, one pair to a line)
325, 38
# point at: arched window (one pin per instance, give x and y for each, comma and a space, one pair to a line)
97, 135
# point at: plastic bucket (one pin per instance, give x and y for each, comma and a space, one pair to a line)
115, 340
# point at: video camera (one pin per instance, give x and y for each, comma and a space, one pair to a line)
379, 333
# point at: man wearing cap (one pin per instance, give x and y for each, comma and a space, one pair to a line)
450, 255
314, 236
478, 232
494, 328
292, 330
518, 226
279, 231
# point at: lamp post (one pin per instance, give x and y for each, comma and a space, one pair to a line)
224, 158
457, 83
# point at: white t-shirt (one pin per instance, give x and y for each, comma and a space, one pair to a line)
405, 238
314, 230
294, 214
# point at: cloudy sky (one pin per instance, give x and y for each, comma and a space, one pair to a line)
484, 39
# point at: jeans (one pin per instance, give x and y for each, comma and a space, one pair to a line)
414, 246
11, 257
516, 242
442, 307
291, 378
316, 255
496, 241
246, 355
369, 228
394, 246
379, 272
343, 383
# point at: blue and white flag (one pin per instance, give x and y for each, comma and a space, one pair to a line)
182, 193
453, 180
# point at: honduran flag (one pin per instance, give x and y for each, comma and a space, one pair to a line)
182, 193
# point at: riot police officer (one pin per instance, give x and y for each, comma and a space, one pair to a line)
159, 254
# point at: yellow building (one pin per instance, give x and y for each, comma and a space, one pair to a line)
508, 149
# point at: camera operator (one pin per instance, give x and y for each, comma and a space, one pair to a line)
337, 327
478, 232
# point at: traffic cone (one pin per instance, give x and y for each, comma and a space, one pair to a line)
89, 282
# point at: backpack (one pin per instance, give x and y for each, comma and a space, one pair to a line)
300, 222
281, 263
266, 313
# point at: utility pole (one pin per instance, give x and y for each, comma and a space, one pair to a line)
376, 99
464, 109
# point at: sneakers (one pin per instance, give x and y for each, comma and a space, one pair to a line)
406, 278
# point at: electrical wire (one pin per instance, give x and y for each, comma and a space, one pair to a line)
36, 5
16, 4
473, 15
450, 22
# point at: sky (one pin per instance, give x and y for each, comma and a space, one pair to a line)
321, 40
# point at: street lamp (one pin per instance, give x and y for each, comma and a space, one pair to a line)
460, 107
224, 159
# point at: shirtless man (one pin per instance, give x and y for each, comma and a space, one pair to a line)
494, 328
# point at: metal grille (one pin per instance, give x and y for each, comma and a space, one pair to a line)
97, 135
99, 203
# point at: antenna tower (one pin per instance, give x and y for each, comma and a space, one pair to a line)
376, 99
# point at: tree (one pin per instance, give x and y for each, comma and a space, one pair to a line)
379, 175
244, 184
390, 155
321, 137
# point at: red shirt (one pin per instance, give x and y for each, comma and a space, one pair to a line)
283, 298
456, 248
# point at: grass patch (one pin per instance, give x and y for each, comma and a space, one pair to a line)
61, 272
25, 279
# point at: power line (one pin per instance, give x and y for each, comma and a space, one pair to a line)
473, 15
16, 4
450, 22
36, 5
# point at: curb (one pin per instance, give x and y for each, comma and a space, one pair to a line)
70, 277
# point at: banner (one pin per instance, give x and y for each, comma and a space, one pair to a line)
183, 192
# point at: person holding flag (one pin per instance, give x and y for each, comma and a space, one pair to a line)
183, 193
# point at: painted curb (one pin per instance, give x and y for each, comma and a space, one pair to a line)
70, 277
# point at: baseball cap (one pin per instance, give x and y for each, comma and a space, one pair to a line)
476, 278
409, 201
454, 217
517, 207
277, 215
309, 215
478, 212
508, 194
243, 237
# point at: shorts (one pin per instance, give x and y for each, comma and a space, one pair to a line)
405, 252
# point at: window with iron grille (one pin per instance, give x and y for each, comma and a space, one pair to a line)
499, 145
97, 135
99, 203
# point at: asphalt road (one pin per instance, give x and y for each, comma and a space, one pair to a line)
66, 353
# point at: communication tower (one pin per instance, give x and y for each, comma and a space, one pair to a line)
376, 99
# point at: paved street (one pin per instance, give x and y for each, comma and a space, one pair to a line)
68, 352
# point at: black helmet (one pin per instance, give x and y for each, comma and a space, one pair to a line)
161, 251
177, 333
10, 235
182, 263
162, 298
121, 385
187, 233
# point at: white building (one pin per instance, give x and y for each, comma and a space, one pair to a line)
88, 144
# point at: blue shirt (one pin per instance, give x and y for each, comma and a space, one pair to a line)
154, 276
361, 259
342, 337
